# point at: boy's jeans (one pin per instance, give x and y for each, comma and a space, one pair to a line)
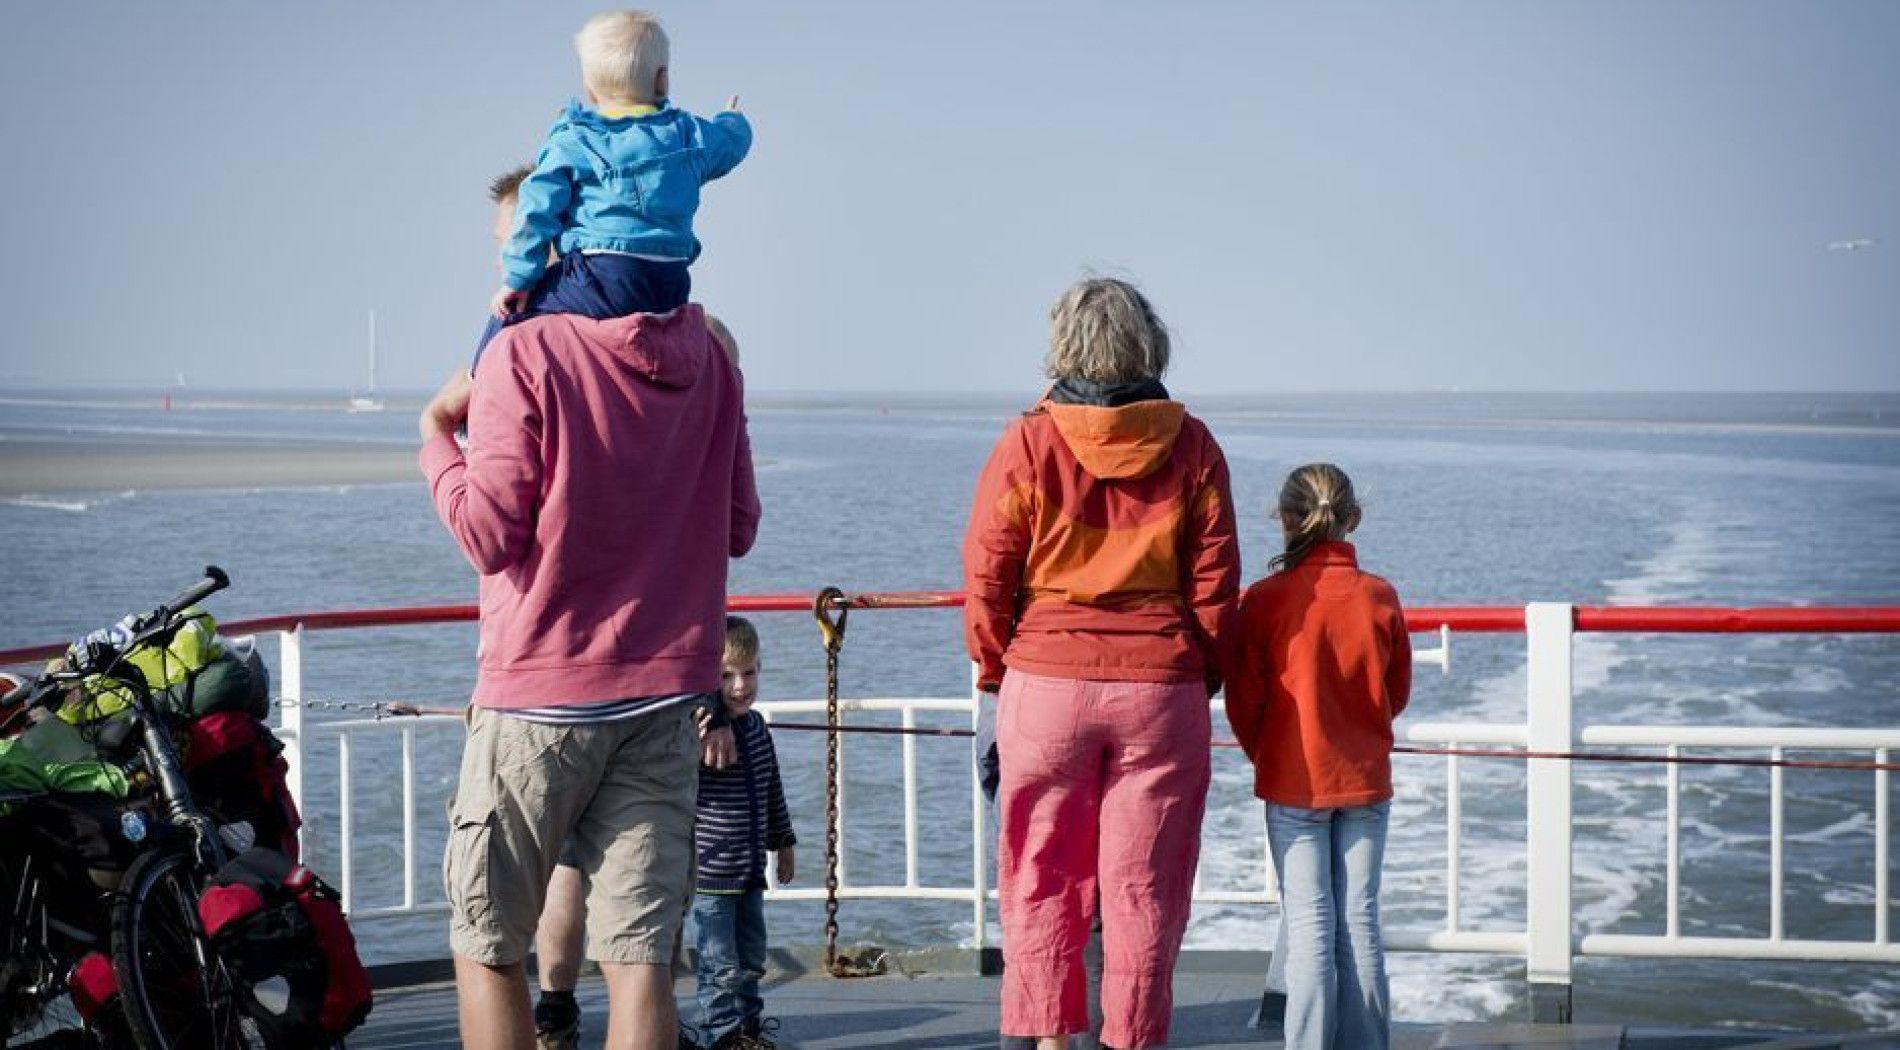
731, 960
1329, 862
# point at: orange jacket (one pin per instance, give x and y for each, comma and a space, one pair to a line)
1322, 665
1101, 546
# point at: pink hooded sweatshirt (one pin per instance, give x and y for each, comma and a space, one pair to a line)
608, 478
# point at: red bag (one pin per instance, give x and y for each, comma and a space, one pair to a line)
236, 769
94, 989
94, 986
281, 933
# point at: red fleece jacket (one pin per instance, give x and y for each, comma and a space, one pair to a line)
608, 478
1322, 666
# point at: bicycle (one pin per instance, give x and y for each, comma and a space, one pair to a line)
174, 993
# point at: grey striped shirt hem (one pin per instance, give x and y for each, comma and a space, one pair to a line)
604, 711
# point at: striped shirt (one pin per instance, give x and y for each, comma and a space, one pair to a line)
604, 711
742, 813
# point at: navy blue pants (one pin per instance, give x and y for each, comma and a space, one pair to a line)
600, 286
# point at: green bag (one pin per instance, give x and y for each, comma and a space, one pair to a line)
197, 673
23, 768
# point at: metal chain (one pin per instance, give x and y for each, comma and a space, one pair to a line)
832, 631
377, 708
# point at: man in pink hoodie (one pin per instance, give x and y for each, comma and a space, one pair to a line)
608, 479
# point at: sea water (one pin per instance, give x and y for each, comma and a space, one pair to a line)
1495, 500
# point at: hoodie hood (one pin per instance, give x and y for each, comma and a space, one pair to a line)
670, 349
1129, 441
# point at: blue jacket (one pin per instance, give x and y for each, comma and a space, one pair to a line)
627, 184
741, 813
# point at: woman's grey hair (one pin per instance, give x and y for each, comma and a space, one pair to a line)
1105, 331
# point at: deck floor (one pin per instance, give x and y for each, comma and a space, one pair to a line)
958, 1012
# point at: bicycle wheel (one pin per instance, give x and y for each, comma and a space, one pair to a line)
177, 995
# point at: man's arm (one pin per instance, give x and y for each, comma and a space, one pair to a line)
488, 498
745, 493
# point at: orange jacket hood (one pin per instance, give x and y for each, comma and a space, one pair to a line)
1131, 441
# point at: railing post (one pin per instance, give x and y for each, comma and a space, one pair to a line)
290, 711
1548, 627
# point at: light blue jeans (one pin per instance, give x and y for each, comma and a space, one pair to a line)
1329, 862
731, 961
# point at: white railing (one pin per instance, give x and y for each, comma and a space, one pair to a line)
1545, 942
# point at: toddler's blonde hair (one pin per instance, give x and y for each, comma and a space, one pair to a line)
622, 54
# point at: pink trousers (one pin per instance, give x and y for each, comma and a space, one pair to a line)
1103, 788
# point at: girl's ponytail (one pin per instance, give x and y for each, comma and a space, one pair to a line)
1319, 497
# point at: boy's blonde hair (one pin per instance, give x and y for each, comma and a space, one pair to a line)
1105, 331
742, 642
622, 54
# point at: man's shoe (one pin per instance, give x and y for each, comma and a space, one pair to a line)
557, 1023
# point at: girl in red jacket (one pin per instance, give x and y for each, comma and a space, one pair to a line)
1322, 666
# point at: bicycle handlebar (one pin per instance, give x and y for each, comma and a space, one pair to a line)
214, 581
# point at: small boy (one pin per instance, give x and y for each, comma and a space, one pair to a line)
742, 814
615, 188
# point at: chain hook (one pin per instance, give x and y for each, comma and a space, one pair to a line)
831, 600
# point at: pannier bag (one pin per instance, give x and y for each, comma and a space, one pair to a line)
280, 931
95, 995
236, 770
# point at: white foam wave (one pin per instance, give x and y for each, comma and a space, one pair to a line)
69, 506
66, 504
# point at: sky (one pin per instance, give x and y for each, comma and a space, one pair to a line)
1344, 196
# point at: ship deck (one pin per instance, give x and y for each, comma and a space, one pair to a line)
958, 1011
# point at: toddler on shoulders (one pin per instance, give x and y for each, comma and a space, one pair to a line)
616, 186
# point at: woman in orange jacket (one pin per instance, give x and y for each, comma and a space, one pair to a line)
1322, 666
1100, 565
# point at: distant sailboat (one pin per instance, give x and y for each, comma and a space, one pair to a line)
368, 401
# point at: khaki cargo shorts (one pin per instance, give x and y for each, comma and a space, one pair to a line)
622, 792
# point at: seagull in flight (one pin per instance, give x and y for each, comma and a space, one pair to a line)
1852, 246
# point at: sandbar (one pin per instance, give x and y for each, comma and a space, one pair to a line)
36, 468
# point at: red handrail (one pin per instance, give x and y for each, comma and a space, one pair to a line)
1840, 619
1493, 619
